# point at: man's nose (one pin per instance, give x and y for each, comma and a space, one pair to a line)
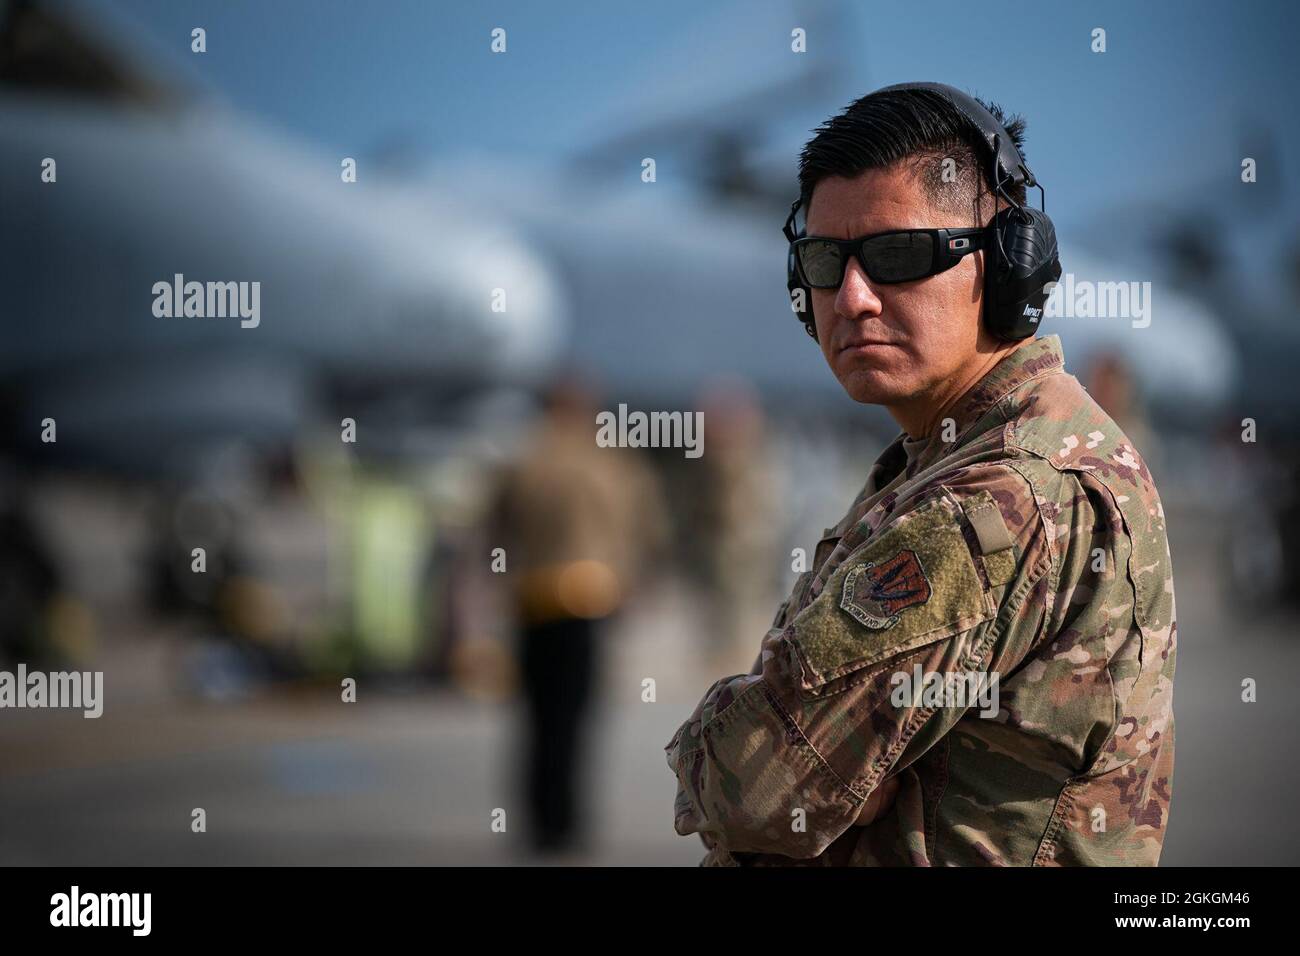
856, 297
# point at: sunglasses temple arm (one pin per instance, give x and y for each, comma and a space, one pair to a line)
788, 228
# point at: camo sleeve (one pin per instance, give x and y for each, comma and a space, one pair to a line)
902, 638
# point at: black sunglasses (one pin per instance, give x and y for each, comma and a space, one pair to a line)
901, 255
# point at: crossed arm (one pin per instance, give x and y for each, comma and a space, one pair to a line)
787, 758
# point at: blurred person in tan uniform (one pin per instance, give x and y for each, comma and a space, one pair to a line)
1111, 383
576, 522
731, 552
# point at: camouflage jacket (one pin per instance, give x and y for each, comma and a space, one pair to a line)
993, 624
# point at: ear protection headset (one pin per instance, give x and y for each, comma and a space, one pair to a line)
1020, 257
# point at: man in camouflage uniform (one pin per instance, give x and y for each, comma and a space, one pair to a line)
1011, 535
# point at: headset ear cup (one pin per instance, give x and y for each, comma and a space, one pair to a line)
806, 317
1022, 267
794, 284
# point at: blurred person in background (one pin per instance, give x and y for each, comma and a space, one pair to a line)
730, 545
1110, 383
30, 586
577, 523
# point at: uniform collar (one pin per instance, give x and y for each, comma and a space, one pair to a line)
1031, 360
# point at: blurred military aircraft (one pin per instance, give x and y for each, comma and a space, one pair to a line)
155, 178
1224, 236
1233, 245
121, 169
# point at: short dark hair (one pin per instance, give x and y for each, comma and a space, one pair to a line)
919, 127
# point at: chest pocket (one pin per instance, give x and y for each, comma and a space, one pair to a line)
913, 583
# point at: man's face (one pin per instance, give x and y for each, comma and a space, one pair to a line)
890, 343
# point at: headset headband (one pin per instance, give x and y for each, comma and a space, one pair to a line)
1010, 165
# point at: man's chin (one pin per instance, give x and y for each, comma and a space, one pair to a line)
871, 387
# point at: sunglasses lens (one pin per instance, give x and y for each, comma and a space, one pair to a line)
900, 256
821, 264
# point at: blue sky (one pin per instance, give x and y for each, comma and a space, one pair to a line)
1166, 112
1161, 104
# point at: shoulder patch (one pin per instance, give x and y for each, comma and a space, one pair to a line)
910, 584
875, 594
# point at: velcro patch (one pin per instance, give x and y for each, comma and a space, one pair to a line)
986, 518
911, 584
995, 541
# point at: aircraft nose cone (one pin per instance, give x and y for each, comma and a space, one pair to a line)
517, 302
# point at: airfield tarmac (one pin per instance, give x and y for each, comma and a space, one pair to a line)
411, 776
